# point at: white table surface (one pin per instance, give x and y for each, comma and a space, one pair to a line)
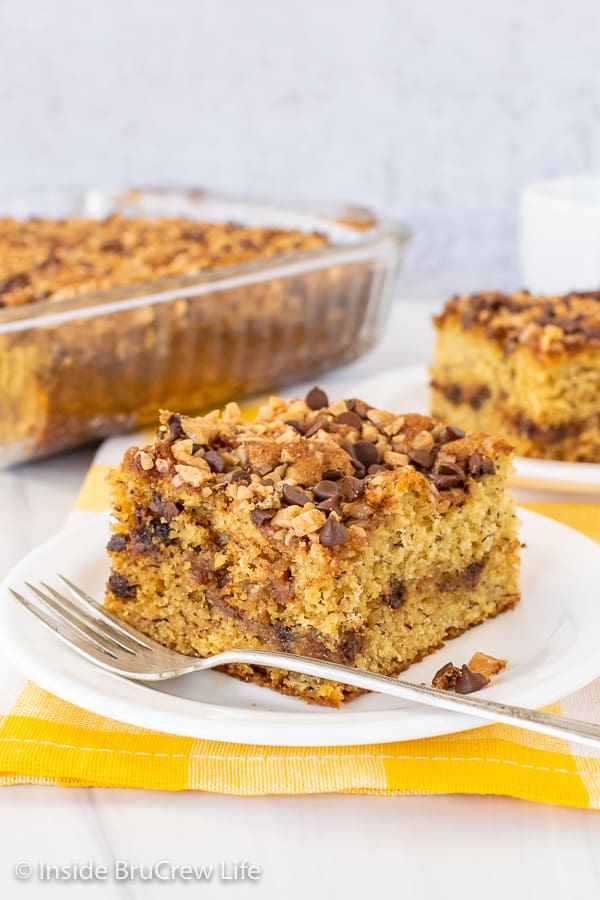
317, 846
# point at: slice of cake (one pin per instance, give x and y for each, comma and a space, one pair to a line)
334, 530
525, 367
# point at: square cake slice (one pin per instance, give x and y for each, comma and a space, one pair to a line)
334, 530
525, 367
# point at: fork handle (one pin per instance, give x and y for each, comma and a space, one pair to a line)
575, 730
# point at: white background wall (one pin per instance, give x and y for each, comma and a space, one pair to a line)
435, 111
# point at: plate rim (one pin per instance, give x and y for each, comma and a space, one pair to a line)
233, 724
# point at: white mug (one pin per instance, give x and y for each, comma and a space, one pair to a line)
560, 235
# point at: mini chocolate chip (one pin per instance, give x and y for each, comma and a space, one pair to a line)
445, 482
294, 496
116, 543
366, 452
332, 475
469, 681
222, 577
268, 482
350, 487
424, 458
325, 489
112, 246
374, 469
395, 597
350, 645
316, 398
450, 433
121, 587
14, 282
359, 407
284, 635
238, 475
195, 448
299, 427
260, 516
175, 429
320, 423
215, 461
332, 504
479, 465
333, 533
349, 418
448, 467
446, 677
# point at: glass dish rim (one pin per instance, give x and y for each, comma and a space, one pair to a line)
124, 297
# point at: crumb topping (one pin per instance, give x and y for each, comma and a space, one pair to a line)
314, 468
51, 259
548, 325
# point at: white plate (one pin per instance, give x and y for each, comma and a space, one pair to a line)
550, 640
407, 390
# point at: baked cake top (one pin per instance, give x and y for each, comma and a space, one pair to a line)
317, 468
49, 259
547, 325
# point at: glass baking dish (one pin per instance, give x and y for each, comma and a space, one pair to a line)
73, 370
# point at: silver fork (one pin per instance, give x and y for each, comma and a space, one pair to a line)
91, 630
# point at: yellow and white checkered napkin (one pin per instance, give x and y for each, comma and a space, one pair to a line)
45, 740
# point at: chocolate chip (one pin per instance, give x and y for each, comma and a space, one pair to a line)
445, 482
320, 423
450, 467
222, 577
479, 465
116, 543
283, 634
450, 433
350, 645
469, 681
113, 246
295, 424
268, 482
349, 418
195, 448
359, 407
260, 516
165, 508
446, 677
350, 487
294, 496
121, 587
175, 429
325, 489
161, 531
332, 475
374, 469
332, 504
333, 533
423, 458
366, 452
316, 398
14, 283
395, 597
215, 461
238, 475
